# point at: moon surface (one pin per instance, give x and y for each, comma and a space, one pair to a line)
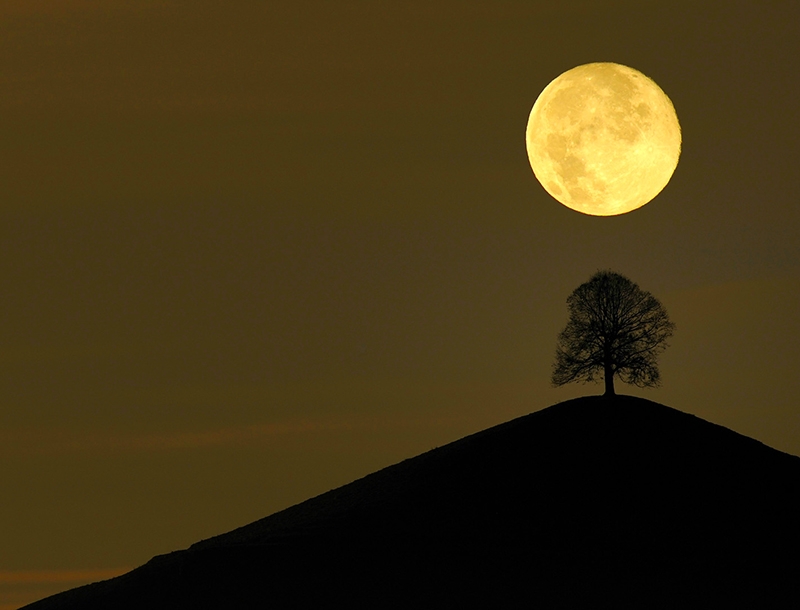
603, 139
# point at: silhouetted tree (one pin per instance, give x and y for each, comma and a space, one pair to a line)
614, 328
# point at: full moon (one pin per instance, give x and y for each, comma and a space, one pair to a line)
603, 139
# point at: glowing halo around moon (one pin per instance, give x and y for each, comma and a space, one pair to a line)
603, 139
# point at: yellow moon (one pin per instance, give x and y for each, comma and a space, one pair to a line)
603, 139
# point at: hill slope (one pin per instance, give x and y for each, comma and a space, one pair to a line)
590, 503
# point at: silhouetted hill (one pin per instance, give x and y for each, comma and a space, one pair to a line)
591, 503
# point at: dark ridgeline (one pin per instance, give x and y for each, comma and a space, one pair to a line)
598, 502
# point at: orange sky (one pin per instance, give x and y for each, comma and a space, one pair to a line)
253, 254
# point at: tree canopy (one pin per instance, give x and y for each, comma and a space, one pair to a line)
615, 329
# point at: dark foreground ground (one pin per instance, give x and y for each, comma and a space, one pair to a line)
591, 503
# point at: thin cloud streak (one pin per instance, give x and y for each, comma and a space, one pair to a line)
58, 441
47, 577
59, 7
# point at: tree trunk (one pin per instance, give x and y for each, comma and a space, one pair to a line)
609, 379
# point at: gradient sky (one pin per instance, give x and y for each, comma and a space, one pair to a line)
253, 251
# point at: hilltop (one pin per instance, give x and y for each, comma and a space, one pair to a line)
595, 502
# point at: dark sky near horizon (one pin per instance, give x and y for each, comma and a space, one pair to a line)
252, 252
